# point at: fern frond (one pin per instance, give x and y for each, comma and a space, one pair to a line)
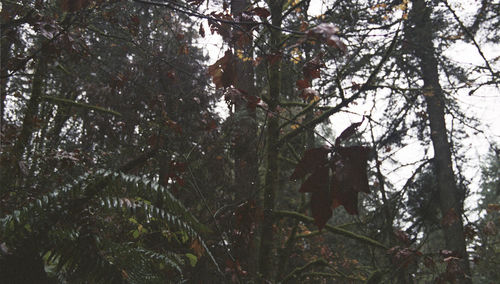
59, 222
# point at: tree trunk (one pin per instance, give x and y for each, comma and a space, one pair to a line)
272, 173
28, 122
8, 35
450, 195
245, 138
245, 134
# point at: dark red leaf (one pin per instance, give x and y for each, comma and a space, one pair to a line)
201, 31
350, 168
349, 177
261, 12
348, 132
402, 236
317, 181
313, 158
252, 101
234, 96
321, 207
311, 69
337, 43
223, 29
345, 197
302, 84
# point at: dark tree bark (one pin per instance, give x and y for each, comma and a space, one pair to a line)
271, 185
28, 125
245, 137
450, 196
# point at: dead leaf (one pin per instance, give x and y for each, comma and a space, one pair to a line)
261, 12
302, 84
223, 71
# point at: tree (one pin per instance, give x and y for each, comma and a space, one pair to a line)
58, 211
451, 199
282, 190
487, 244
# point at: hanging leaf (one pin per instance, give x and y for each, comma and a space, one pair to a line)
317, 181
223, 71
349, 177
201, 31
313, 158
321, 206
350, 168
348, 132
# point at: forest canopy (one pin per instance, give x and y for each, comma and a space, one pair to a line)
236, 141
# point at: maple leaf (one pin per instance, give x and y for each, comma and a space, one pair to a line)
313, 158
321, 201
349, 177
321, 207
345, 197
315, 161
317, 181
223, 71
350, 168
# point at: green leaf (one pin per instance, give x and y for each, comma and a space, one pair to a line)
192, 259
136, 234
